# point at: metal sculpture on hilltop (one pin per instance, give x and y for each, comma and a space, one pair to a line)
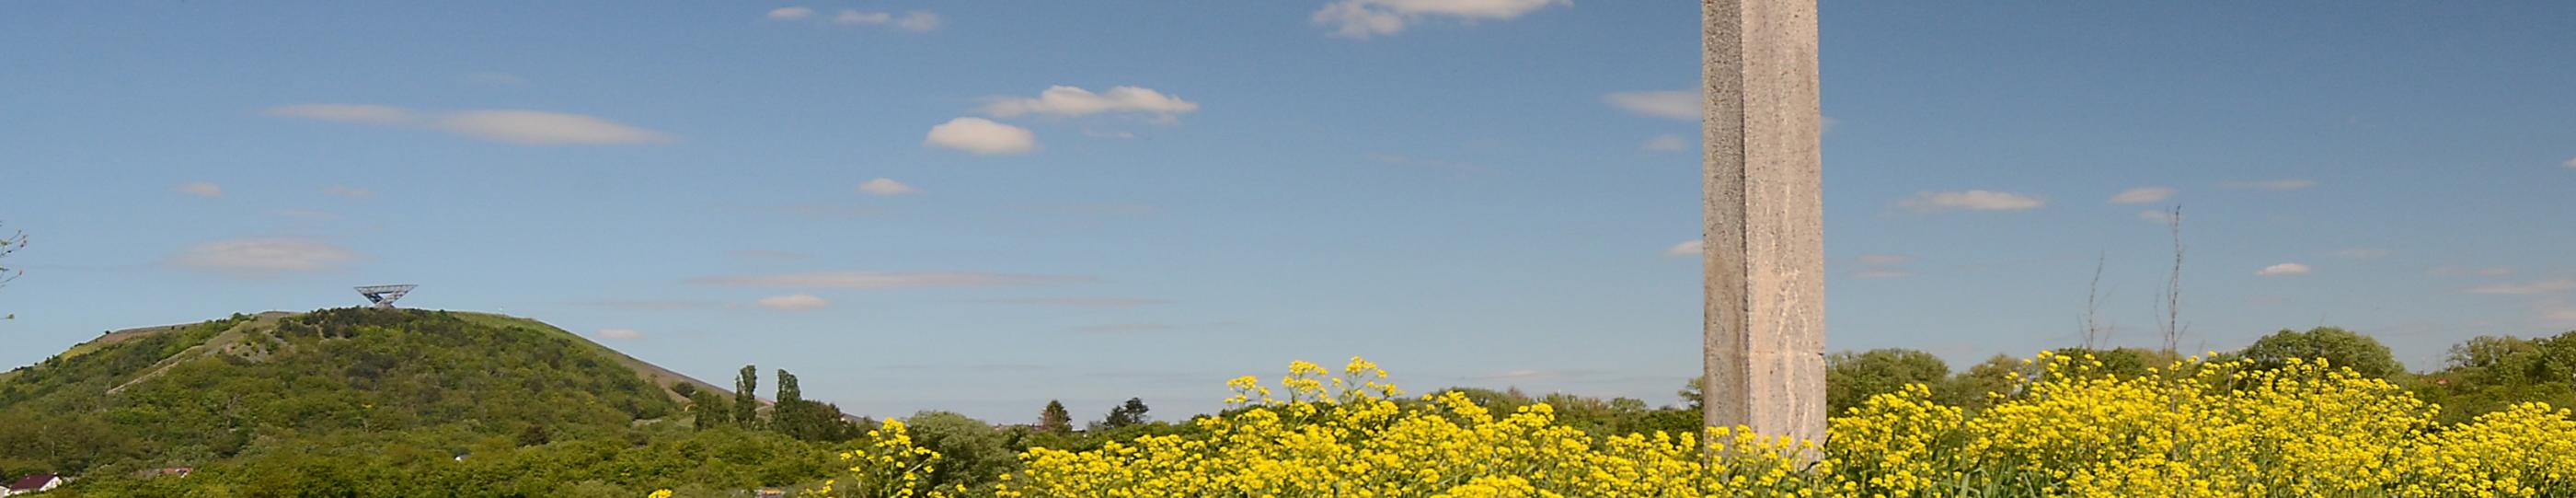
383, 296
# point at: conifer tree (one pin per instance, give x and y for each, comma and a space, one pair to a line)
1054, 419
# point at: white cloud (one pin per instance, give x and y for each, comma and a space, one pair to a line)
202, 189
347, 191
264, 256
790, 13
345, 113
2143, 195
793, 302
2571, 162
1673, 104
2281, 184
1686, 248
1973, 200
1366, 18
496, 79
619, 334
1884, 259
2283, 269
1063, 100
981, 136
848, 16
2156, 216
2525, 289
528, 127
886, 186
883, 280
1881, 273
2362, 253
1667, 143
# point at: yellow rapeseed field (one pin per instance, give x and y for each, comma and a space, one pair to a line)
2190, 429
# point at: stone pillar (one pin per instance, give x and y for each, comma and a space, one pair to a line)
1764, 339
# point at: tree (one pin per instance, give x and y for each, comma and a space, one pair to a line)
971, 452
788, 417
712, 409
746, 406
2336, 346
1130, 413
1851, 378
1054, 419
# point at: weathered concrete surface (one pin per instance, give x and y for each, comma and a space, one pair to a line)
1764, 259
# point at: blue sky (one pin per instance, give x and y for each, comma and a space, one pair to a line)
983, 206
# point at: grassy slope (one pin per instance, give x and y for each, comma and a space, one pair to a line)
651, 373
658, 376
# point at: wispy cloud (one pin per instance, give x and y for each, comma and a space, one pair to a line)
1671, 104
790, 13
202, 189
1882, 273
1667, 143
1361, 19
885, 280
981, 136
2571, 162
2456, 271
2525, 289
619, 334
1085, 302
793, 302
2555, 313
1971, 200
1063, 100
2283, 269
2281, 184
262, 256
345, 113
649, 304
347, 191
526, 127
519, 126
2157, 216
915, 21
885, 186
1686, 248
2143, 195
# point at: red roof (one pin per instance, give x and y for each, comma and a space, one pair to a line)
32, 481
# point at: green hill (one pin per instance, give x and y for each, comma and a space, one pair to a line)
247, 398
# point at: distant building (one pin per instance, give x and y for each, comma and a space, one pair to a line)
772, 493
37, 483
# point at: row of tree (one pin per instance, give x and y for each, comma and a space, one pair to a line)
791, 414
